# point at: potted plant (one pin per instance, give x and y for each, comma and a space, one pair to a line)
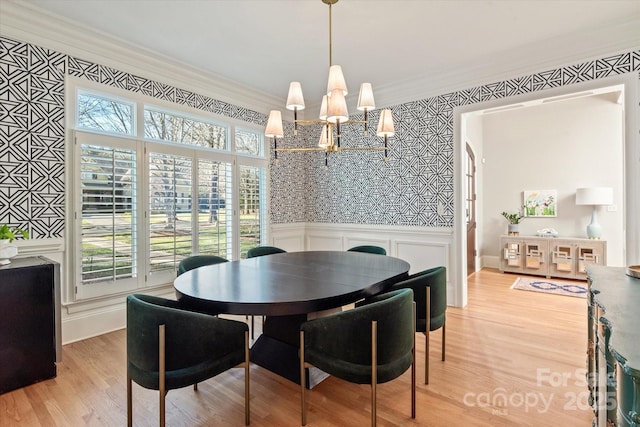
7, 235
514, 221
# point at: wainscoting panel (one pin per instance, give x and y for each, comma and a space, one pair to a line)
289, 237
423, 255
324, 242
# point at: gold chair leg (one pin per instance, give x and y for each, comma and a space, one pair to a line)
444, 325
426, 333
413, 366
247, 391
129, 403
161, 388
303, 406
374, 369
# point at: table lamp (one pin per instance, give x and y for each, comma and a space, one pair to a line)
595, 196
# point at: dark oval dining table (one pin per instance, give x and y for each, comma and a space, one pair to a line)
289, 283
286, 288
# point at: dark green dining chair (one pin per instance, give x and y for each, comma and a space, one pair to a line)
195, 261
264, 250
169, 347
368, 249
256, 252
430, 294
370, 344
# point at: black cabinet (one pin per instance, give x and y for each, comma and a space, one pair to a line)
29, 321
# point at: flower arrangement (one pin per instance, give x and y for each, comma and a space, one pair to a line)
9, 233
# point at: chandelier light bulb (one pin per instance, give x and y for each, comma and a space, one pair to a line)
337, 107
274, 125
336, 80
365, 98
295, 99
323, 108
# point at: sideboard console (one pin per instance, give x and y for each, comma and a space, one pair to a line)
30, 339
565, 257
613, 350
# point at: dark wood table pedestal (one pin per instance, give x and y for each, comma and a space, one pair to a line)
277, 349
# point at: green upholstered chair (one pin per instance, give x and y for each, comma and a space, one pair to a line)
368, 249
195, 261
264, 250
169, 348
430, 294
370, 344
256, 252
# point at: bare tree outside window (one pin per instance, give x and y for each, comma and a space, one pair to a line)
103, 114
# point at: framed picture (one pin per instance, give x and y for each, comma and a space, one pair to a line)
540, 203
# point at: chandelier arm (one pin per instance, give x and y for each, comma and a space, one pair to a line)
301, 149
318, 121
310, 122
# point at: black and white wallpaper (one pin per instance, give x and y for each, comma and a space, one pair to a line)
357, 188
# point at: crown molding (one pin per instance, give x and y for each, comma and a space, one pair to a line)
525, 60
27, 23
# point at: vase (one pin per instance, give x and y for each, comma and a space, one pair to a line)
514, 229
7, 252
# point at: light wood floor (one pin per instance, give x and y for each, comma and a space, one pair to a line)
514, 358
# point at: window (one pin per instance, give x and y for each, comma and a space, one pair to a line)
249, 142
215, 208
169, 213
104, 114
251, 207
149, 201
108, 227
175, 128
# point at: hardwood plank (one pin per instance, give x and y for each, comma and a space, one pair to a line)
527, 347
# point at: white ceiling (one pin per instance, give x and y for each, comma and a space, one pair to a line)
265, 44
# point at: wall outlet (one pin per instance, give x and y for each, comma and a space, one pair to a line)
612, 208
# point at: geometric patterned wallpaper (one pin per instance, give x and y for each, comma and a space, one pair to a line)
32, 138
357, 188
360, 188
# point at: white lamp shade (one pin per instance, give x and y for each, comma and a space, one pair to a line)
274, 125
295, 98
594, 196
337, 107
323, 108
385, 124
326, 137
365, 98
336, 80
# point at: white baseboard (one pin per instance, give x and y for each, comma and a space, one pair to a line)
490, 261
93, 323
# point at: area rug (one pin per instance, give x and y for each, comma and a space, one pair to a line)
551, 286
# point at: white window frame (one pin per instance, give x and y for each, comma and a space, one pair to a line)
77, 291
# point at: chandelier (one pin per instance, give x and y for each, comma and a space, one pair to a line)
333, 113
